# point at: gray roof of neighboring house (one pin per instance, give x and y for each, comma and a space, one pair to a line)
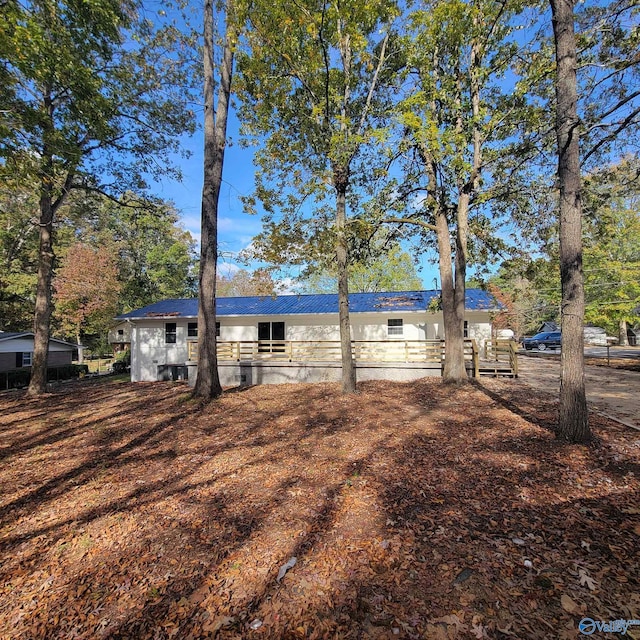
395, 301
12, 335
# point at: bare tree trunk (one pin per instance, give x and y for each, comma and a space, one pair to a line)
454, 368
78, 342
573, 419
348, 366
454, 357
42, 316
623, 339
215, 135
453, 304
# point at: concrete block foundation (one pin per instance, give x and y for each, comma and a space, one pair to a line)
251, 373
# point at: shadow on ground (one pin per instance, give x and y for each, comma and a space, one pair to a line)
412, 510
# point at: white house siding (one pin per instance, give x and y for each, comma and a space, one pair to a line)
149, 350
479, 327
364, 326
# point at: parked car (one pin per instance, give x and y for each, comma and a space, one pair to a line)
544, 340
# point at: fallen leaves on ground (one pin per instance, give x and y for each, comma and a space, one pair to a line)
415, 510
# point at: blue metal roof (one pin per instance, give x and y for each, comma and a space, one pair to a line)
395, 301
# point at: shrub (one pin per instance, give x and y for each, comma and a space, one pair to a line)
119, 366
18, 378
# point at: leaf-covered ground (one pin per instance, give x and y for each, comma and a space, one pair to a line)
412, 511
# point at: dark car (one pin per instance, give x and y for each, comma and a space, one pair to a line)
544, 340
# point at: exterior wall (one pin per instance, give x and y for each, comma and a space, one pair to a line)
246, 374
479, 327
59, 358
115, 337
17, 344
7, 361
364, 326
59, 354
149, 350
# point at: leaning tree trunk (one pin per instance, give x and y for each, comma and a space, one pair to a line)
42, 316
348, 366
215, 134
573, 423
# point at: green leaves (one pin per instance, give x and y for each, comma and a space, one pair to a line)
87, 99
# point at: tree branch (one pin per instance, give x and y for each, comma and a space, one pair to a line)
621, 127
419, 223
372, 86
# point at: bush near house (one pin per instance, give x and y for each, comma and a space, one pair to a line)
19, 378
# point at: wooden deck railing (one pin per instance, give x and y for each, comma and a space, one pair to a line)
502, 351
379, 351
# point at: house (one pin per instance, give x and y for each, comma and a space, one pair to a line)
16, 351
119, 337
395, 335
549, 326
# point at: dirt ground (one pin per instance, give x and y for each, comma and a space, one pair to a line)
612, 390
414, 510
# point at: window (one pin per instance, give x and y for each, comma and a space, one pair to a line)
170, 333
394, 327
466, 329
269, 332
120, 332
24, 358
192, 330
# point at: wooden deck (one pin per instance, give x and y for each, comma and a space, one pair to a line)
499, 358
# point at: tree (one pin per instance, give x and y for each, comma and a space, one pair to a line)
595, 108
311, 84
459, 120
573, 420
612, 246
155, 256
532, 288
18, 255
86, 290
91, 100
245, 283
610, 238
389, 269
215, 137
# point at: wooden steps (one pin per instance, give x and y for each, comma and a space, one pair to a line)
497, 370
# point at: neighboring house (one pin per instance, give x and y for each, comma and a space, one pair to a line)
548, 327
16, 351
120, 337
296, 337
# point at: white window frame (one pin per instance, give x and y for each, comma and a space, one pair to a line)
27, 358
167, 333
395, 330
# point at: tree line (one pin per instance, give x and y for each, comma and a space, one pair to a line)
441, 123
433, 120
